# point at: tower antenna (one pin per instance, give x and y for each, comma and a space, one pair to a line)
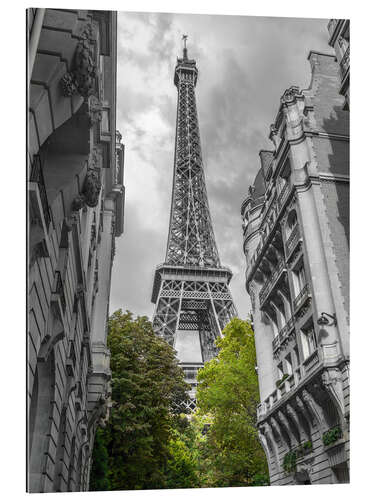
184, 38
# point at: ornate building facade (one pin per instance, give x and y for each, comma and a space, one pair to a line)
191, 292
296, 243
339, 39
76, 210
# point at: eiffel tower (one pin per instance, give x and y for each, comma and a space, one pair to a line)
191, 293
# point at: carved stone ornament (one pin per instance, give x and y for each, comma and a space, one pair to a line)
332, 381
273, 130
92, 187
290, 94
92, 184
78, 203
95, 110
304, 468
82, 77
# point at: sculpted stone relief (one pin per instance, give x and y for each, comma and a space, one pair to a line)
92, 184
82, 79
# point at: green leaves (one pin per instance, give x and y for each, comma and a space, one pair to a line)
332, 435
147, 388
228, 392
149, 443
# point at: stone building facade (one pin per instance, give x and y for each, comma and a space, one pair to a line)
76, 210
339, 39
296, 243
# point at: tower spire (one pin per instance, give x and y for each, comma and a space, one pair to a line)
184, 38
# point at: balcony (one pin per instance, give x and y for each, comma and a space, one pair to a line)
301, 297
275, 207
283, 334
311, 361
292, 241
272, 280
283, 196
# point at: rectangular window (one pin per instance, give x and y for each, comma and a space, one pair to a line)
105, 120
288, 364
299, 280
308, 341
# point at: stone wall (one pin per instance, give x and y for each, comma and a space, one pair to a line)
75, 199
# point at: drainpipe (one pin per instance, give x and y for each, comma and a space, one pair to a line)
34, 38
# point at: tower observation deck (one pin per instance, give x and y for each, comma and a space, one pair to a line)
191, 293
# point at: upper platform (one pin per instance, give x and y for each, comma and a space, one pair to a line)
186, 69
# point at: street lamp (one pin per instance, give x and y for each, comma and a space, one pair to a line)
324, 321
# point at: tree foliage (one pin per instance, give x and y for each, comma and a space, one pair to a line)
228, 392
148, 389
148, 442
99, 472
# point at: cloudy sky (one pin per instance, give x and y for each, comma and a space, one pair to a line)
245, 64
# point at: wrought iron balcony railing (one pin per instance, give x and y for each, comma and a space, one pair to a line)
283, 195
283, 334
345, 62
311, 361
292, 240
286, 329
302, 296
266, 288
273, 211
36, 175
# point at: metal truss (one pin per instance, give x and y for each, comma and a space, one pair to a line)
191, 238
191, 290
201, 306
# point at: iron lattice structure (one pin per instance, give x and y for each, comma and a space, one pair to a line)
191, 290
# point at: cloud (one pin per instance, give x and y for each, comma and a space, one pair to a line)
245, 64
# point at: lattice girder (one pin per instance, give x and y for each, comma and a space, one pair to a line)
191, 238
191, 292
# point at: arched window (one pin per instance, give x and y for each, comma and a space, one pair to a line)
291, 222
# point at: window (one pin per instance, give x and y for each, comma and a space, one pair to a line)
280, 370
308, 341
291, 222
282, 316
288, 364
299, 279
105, 120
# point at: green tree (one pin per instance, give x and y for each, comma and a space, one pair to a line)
148, 390
181, 469
228, 392
99, 472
